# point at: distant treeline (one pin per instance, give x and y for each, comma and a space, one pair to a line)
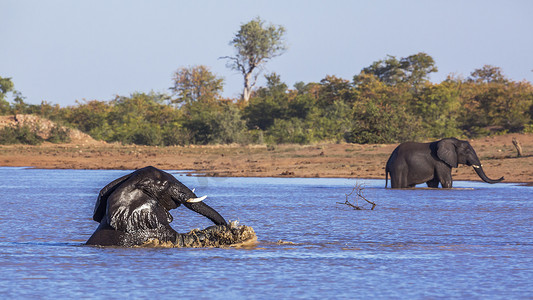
390, 101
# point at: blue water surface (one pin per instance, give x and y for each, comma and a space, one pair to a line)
475, 241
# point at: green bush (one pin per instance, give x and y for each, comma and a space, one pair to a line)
292, 131
19, 135
59, 135
147, 135
175, 136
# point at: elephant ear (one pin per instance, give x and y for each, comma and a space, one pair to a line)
101, 203
446, 151
135, 211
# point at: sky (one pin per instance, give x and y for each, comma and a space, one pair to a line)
63, 51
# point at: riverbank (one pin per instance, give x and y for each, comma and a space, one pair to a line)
498, 155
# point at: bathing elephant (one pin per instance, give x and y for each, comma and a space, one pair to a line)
414, 163
134, 210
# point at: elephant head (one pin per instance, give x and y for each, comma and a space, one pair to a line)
171, 194
454, 152
181, 194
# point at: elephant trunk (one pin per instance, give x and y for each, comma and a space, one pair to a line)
483, 176
206, 211
182, 195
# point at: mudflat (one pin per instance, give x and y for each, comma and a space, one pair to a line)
498, 156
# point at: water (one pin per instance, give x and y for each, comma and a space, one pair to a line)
473, 242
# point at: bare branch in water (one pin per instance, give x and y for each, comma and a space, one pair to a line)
358, 192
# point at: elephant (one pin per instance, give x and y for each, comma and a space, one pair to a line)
414, 163
133, 210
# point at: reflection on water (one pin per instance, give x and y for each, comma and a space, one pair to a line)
470, 242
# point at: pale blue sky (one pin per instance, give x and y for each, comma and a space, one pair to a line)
63, 51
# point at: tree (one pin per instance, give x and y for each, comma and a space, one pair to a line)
333, 123
501, 105
381, 112
255, 44
140, 119
196, 83
218, 122
335, 89
439, 107
91, 117
487, 74
7, 86
269, 103
417, 68
490, 102
413, 70
388, 70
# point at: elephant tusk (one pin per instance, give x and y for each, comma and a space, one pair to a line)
193, 189
475, 166
192, 200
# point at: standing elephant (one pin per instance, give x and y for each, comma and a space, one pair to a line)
134, 209
414, 163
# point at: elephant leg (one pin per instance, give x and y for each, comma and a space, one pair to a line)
399, 177
446, 180
394, 182
106, 236
398, 182
433, 183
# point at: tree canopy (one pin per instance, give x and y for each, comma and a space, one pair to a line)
390, 101
7, 87
195, 83
413, 70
